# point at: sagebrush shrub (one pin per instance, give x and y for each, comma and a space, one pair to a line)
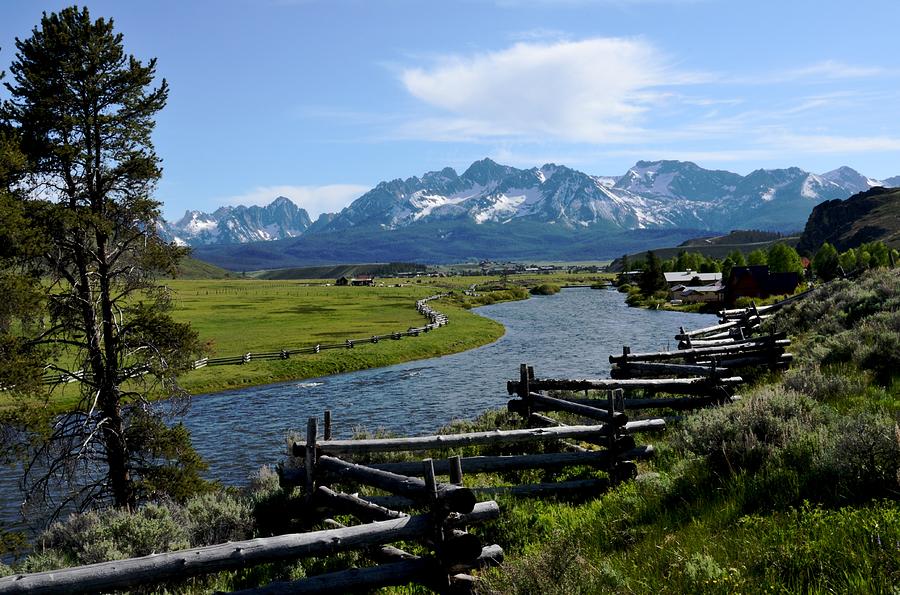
217, 518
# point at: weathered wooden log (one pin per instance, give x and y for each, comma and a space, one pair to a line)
680, 403
455, 498
350, 504
418, 570
655, 370
493, 464
380, 553
699, 352
613, 418
491, 555
732, 341
392, 574
156, 568
542, 421
777, 358
537, 490
672, 385
497, 437
485, 511
699, 332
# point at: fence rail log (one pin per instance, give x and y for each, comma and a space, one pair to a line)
653, 369
766, 339
496, 437
672, 385
397, 573
537, 490
156, 568
664, 402
492, 464
350, 504
716, 328
419, 570
700, 352
455, 498
614, 418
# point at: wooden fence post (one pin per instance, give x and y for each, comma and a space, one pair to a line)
619, 399
311, 431
525, 389
328, 424
456, 472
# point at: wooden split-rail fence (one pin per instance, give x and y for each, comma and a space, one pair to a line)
435, 320
419, 508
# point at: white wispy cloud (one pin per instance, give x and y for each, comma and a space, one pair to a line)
834, 69
825, 143
595, 90
315, 199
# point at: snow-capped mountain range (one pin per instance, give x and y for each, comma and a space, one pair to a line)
278, 220
651, 194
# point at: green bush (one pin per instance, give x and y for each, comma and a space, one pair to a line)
116, 534
545, 289
747, 435
217, 518
831, 384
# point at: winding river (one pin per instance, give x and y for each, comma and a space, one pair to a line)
570, 334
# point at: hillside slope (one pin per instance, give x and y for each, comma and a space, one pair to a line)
864, 217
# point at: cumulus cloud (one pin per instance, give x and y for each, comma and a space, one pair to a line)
315, 199
594, 90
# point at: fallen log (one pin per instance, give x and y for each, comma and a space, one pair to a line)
454, 498
497, 437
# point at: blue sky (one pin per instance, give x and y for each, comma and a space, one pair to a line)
321, 100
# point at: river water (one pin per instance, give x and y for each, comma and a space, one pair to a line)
568, 335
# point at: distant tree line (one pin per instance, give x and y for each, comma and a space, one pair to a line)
780, 258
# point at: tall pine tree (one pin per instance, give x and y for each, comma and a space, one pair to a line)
82, 112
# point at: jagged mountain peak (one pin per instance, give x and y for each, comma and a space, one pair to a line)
280, 219
660, 194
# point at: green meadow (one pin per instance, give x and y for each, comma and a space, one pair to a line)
240, 316
235, 316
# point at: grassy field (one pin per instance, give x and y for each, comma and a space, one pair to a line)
237, 315
240, 316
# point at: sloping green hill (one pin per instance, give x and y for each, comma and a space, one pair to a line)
191, 268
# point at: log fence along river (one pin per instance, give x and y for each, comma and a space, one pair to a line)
570, 334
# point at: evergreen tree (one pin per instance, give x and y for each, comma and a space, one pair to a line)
652, 278
83, 112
